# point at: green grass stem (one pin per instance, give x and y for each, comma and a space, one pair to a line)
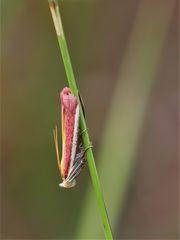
54, 8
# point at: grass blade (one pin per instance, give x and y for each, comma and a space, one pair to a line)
54, 8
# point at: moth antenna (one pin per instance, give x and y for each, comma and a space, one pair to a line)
56, 147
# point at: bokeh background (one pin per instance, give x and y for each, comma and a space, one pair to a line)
125, 58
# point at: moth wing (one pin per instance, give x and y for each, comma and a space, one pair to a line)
77, 166
76, 170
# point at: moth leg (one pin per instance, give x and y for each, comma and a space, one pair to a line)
82, 151
84, 130
85, 150
56, 147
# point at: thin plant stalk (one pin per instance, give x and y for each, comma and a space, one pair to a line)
54, 8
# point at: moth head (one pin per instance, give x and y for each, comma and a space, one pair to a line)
67, 184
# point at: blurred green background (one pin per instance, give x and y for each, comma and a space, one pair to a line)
125, 58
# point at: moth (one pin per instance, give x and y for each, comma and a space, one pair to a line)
73, 154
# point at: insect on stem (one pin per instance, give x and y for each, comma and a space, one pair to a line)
73, 153
86, 140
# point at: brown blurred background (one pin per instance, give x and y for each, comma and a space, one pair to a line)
125, 58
